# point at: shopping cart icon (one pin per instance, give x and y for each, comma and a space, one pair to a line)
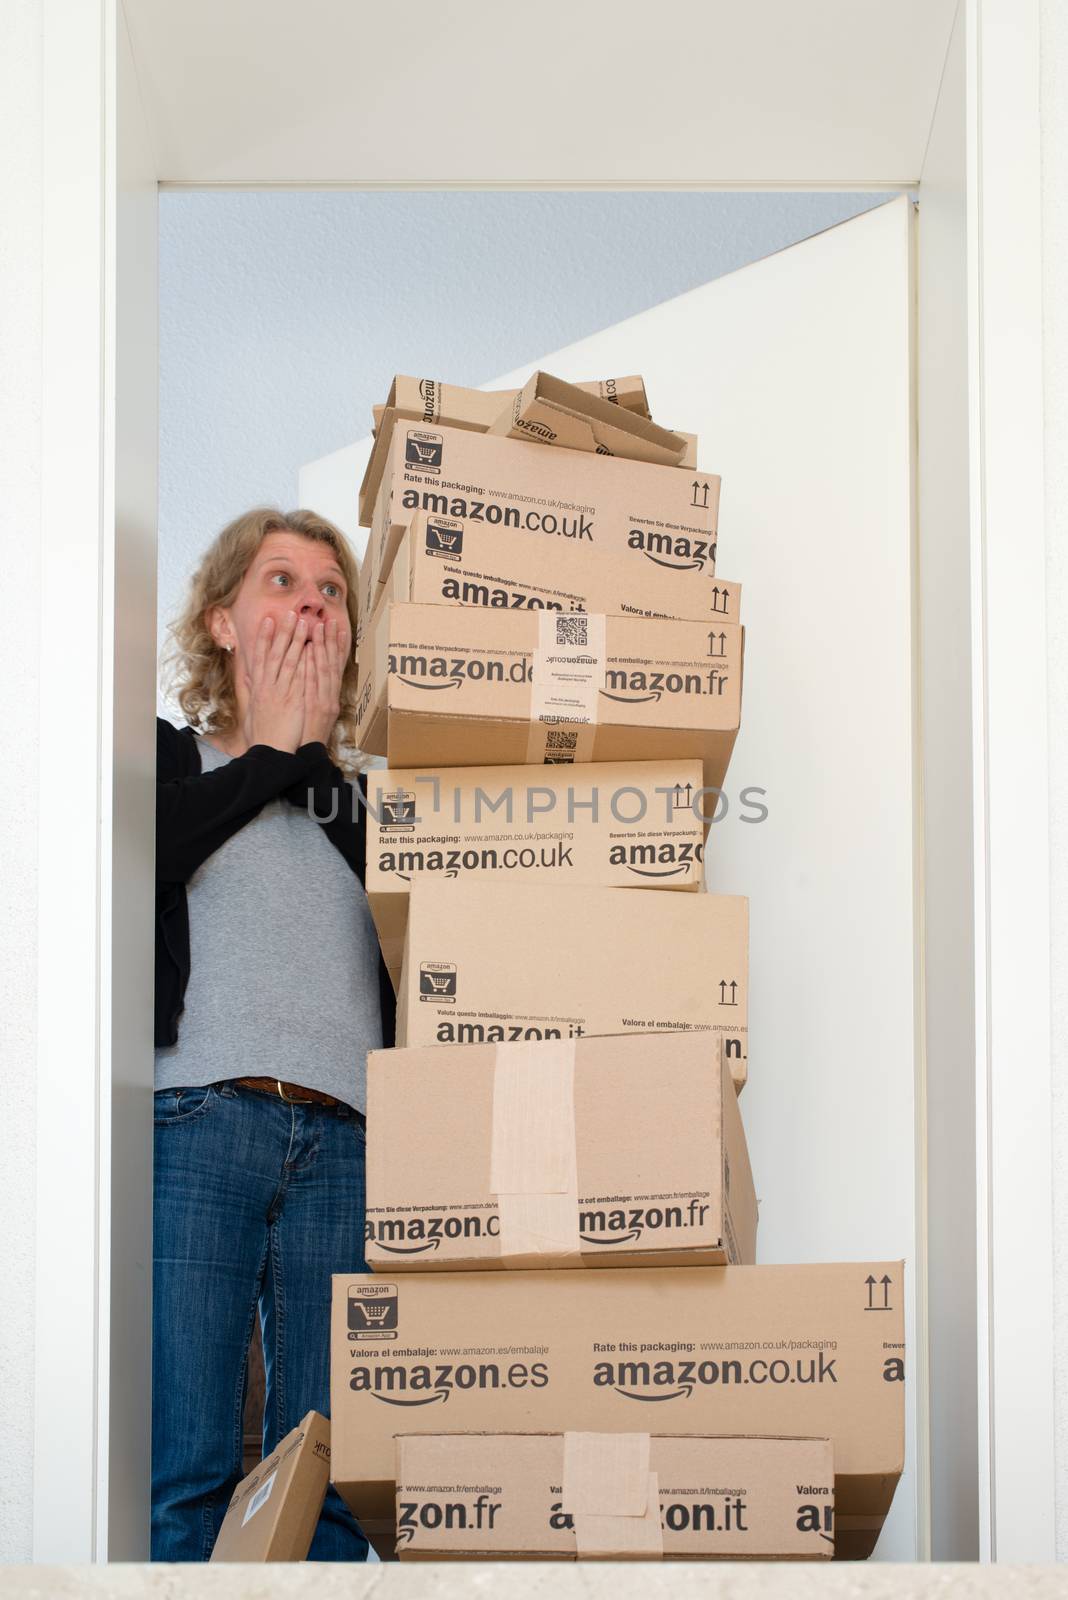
373, 1311
398, 809
423, 449
437, 981
444, 538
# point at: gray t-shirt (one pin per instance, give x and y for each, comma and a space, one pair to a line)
283, 979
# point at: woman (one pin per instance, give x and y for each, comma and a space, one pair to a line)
270, 990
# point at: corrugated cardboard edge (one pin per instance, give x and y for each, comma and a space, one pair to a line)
611, 1496
533, 1161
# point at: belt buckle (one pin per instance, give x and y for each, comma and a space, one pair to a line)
291, 1100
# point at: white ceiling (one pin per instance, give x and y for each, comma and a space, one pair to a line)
749, 92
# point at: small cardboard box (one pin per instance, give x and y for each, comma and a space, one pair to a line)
590, 1152
568, 1496
428, 401
445, 685
273, 1513
549, 411
442, 561
654, 516
814, 1351
630, 824
490, 963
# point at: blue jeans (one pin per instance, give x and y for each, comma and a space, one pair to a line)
256, 1203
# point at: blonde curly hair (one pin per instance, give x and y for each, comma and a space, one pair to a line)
197, 672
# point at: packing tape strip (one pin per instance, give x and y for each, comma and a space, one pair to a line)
567, 675
611, 1496
533, 1166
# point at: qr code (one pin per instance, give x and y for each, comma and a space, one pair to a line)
572, 630
561, 739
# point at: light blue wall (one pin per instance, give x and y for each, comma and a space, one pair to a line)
283, 316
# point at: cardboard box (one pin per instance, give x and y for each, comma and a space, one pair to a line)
549, 411
654, 516
427, 400
443, 561
489, 963
798, 1350
629, 824
444, 685
589, 1152
273, 1513
545, 1496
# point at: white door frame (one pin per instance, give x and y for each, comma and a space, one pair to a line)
94, 977
1011, 783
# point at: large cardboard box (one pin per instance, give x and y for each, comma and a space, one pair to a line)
273, 1513
655, 516
589, 1152
443, 561
799, 1350
444, 685
427, 401
488, 963
563, 1496
550, 411
629, 824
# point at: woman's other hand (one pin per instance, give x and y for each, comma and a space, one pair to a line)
326, 658
276, 683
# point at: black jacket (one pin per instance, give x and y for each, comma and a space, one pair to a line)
198, 811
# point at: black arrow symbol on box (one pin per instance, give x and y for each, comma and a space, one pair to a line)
712, 650
871, 1282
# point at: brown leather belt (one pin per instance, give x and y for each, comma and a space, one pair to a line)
291, 1093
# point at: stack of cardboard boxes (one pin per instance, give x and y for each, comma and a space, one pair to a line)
552, 667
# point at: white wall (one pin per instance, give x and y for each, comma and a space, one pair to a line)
20, 639
1055, 322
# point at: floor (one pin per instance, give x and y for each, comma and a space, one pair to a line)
538, 1582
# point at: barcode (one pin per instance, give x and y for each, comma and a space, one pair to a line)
572, 630
561, 738
258, 1498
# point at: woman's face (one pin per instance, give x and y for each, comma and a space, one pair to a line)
288, 573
